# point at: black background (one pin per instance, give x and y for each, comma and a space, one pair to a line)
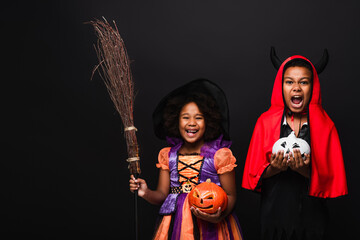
63, 170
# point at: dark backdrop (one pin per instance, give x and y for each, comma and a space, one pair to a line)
63, 170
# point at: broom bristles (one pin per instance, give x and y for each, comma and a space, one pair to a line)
114, 69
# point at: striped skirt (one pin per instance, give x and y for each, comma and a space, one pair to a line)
181, 225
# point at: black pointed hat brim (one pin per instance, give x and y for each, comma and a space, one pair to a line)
203, 86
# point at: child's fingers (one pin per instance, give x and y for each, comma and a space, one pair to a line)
134, 184
298, 158
140, 181
133, 178
307, 159
295, 158
291, 156
218, 212
272, 158
196, 212
278, 160
137, 180
281, 156
290, 160
284, 161
201, 214
133, 187
278, 157
192, 209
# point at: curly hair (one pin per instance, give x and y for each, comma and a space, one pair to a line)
207, 107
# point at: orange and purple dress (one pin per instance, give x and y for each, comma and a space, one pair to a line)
186, 171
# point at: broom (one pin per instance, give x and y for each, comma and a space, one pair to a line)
114, 69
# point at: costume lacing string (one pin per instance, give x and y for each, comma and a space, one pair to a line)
186, 166
188, 181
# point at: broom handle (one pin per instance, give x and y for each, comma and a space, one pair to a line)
136, 210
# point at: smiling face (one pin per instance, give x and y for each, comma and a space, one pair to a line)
191, 124
297, 88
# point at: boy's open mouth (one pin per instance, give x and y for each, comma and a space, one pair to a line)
297, 101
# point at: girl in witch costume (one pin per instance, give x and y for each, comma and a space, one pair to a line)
294, 188
194, 120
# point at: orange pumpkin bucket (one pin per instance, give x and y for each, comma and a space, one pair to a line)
208, 197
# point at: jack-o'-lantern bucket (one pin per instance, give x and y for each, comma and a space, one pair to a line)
208, 197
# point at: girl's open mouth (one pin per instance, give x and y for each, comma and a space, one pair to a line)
191, 132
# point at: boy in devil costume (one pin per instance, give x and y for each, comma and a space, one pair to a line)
293, 189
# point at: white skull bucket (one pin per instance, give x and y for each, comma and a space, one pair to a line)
290, 143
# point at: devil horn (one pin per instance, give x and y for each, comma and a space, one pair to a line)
274, 59
320, 66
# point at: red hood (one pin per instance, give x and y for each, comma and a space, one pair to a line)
327, 178
277, 96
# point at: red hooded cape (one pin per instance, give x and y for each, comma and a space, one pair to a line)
327, 178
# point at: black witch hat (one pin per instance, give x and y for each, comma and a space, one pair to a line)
198, 86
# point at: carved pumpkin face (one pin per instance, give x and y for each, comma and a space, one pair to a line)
208, 197
289, 143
